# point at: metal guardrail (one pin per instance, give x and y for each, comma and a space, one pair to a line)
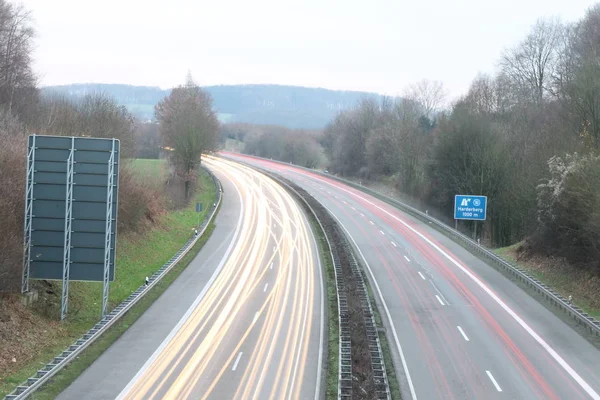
591, 324
35, 382
549, 295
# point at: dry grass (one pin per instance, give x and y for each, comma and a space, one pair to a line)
566, 279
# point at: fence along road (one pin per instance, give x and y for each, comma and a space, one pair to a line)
257, 331
462, 329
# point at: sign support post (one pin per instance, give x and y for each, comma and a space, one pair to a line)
64, 303
28, 216
108, 232
470, 207
198, 211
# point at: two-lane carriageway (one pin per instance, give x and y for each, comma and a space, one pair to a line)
458, 328
253, 328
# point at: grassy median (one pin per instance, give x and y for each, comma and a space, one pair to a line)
333, 328
384, 343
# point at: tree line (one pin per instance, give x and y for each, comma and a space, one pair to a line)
187, 126
296, 146
526, 137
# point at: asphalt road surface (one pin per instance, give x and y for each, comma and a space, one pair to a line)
458, 328
243, 321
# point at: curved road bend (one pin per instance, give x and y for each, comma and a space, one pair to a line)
461, 329
253, 330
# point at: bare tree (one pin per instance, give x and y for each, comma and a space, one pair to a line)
189, 127
531, 64
101, 116
12, 184
430, 95
584, 87
17, 80
96, 115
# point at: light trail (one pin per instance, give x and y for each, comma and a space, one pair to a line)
197, 361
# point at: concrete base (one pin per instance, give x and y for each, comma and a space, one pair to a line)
29, 298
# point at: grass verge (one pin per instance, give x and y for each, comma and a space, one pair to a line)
138, 256
566, 280
67, 375
333, 336
150, 169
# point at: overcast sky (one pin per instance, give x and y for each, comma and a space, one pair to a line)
371, 45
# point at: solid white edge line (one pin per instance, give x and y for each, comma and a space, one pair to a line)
189, 311
440, 300
584, 385
462, 333
266, 286
489, 374
421, 275
322, 330
407, 259
237, 360
387, 311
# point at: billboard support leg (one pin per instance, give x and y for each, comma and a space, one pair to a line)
28, 216
64, 304
108, 231
474, 230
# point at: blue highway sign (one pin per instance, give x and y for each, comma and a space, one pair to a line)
470, 207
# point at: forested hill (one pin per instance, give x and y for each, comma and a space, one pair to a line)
290, 106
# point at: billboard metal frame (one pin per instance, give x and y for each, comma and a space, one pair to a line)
64, 304
28, 218
88, 168
107, 241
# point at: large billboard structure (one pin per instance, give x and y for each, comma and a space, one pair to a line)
71, 203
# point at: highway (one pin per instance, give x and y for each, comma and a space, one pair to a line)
458, 329
250, 326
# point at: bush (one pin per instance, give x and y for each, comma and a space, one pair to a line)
568, 214
140, 201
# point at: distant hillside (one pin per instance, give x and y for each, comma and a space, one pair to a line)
291, 106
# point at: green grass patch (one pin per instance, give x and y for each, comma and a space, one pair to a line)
138, 256
67, 375
333, 338
152, 170
563, 278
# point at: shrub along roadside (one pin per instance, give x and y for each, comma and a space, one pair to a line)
138, 255
555, 272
